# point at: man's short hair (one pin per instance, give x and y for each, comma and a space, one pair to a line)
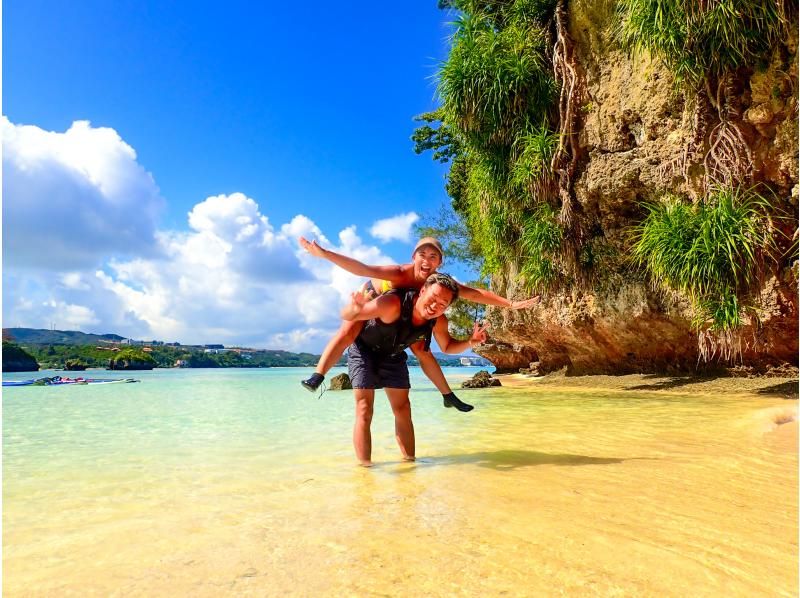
444, 280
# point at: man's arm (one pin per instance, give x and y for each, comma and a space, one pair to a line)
450, 345
489, 298
386, 308
393, 274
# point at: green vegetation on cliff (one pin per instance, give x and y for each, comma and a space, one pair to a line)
701, 39
496, 126
512, 102
131, 359
710, 252
16, 359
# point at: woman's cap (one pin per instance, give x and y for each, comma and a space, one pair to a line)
429, 241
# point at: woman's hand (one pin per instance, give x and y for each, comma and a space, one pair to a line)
357, 303
478, 334
525, 303
312, 247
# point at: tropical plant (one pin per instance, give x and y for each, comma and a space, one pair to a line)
495, 80
497, 123
532, 169
702, 38
710, 252
540, 241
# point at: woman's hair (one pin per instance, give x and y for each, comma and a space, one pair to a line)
444, 280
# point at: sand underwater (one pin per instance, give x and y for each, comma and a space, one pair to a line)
221, 482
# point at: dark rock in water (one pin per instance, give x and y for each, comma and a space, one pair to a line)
533, 370
16, 359
75, 366
341, 382
482, 379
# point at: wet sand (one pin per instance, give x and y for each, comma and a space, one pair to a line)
578, 487
786, 388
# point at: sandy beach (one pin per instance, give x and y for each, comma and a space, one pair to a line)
598, 486
784, 387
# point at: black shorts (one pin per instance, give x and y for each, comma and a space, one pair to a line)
374, 370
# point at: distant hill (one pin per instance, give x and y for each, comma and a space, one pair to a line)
52, 347
38, 336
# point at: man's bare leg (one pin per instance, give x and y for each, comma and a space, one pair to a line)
335, 348
433, 371
403, 426
362, 436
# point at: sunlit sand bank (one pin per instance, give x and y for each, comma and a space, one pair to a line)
571, 487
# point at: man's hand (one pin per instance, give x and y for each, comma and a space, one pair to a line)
526, 303
312, 247
478, 334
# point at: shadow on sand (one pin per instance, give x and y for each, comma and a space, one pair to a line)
668, 383
787, 390
513, 459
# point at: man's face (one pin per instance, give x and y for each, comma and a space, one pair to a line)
433, 301
426, 260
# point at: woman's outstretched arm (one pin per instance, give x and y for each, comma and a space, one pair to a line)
489, 298
393, 274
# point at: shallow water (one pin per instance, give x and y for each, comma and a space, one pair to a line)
238, 482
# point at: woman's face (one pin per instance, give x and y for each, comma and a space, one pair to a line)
426, 261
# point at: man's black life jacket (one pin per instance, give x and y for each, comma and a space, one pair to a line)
390, 339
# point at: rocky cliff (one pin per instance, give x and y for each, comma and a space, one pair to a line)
635, 128
16, 359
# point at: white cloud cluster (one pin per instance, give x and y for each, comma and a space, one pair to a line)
70, 197
232, 277
396, 228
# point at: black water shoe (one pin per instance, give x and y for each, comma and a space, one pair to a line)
312, 384
451, 400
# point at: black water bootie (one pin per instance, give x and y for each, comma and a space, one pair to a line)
312, 384
451, 400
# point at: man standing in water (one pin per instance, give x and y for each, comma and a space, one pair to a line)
425, 260
395, 321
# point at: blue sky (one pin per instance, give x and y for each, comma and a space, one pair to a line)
261, 122
310, 103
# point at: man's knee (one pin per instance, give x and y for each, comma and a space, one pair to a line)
364, 411
348, 332
402, 409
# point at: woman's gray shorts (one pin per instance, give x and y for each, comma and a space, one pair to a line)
374, 370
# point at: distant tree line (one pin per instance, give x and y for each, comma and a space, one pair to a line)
77, 357
56, 356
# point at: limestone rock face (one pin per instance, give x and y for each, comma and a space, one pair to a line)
341, 382
635, 125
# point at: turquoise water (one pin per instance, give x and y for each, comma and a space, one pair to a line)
232, 482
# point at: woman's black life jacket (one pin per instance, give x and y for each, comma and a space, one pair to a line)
390, 339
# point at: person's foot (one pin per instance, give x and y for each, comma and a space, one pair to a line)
312, 383
451, 400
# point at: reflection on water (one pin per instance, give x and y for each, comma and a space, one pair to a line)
230, 483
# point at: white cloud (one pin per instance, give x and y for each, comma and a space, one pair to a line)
73, 199
395, 228
74, 317
232, 277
